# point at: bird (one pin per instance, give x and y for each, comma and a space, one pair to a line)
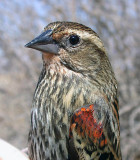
75, 108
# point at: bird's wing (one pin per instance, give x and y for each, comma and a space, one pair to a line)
94, 130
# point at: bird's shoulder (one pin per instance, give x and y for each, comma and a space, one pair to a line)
95, 132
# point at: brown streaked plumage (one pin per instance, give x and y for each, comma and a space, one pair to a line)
75, 108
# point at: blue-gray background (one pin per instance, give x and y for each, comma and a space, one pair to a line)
118, 24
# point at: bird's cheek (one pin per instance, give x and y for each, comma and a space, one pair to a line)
63, 54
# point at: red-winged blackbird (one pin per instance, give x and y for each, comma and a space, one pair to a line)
75, 106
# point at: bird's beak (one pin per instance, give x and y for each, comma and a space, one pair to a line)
44, 42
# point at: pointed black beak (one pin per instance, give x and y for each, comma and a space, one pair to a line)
44, 42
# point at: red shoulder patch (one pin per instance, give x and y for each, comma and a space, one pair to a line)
86, 126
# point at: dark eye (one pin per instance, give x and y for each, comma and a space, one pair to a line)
74, 39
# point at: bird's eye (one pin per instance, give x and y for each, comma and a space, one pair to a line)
74, 39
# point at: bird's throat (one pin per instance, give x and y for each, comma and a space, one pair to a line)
50, 58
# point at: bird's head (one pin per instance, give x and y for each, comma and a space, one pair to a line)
73, 45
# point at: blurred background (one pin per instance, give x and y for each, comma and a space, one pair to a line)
118, 24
